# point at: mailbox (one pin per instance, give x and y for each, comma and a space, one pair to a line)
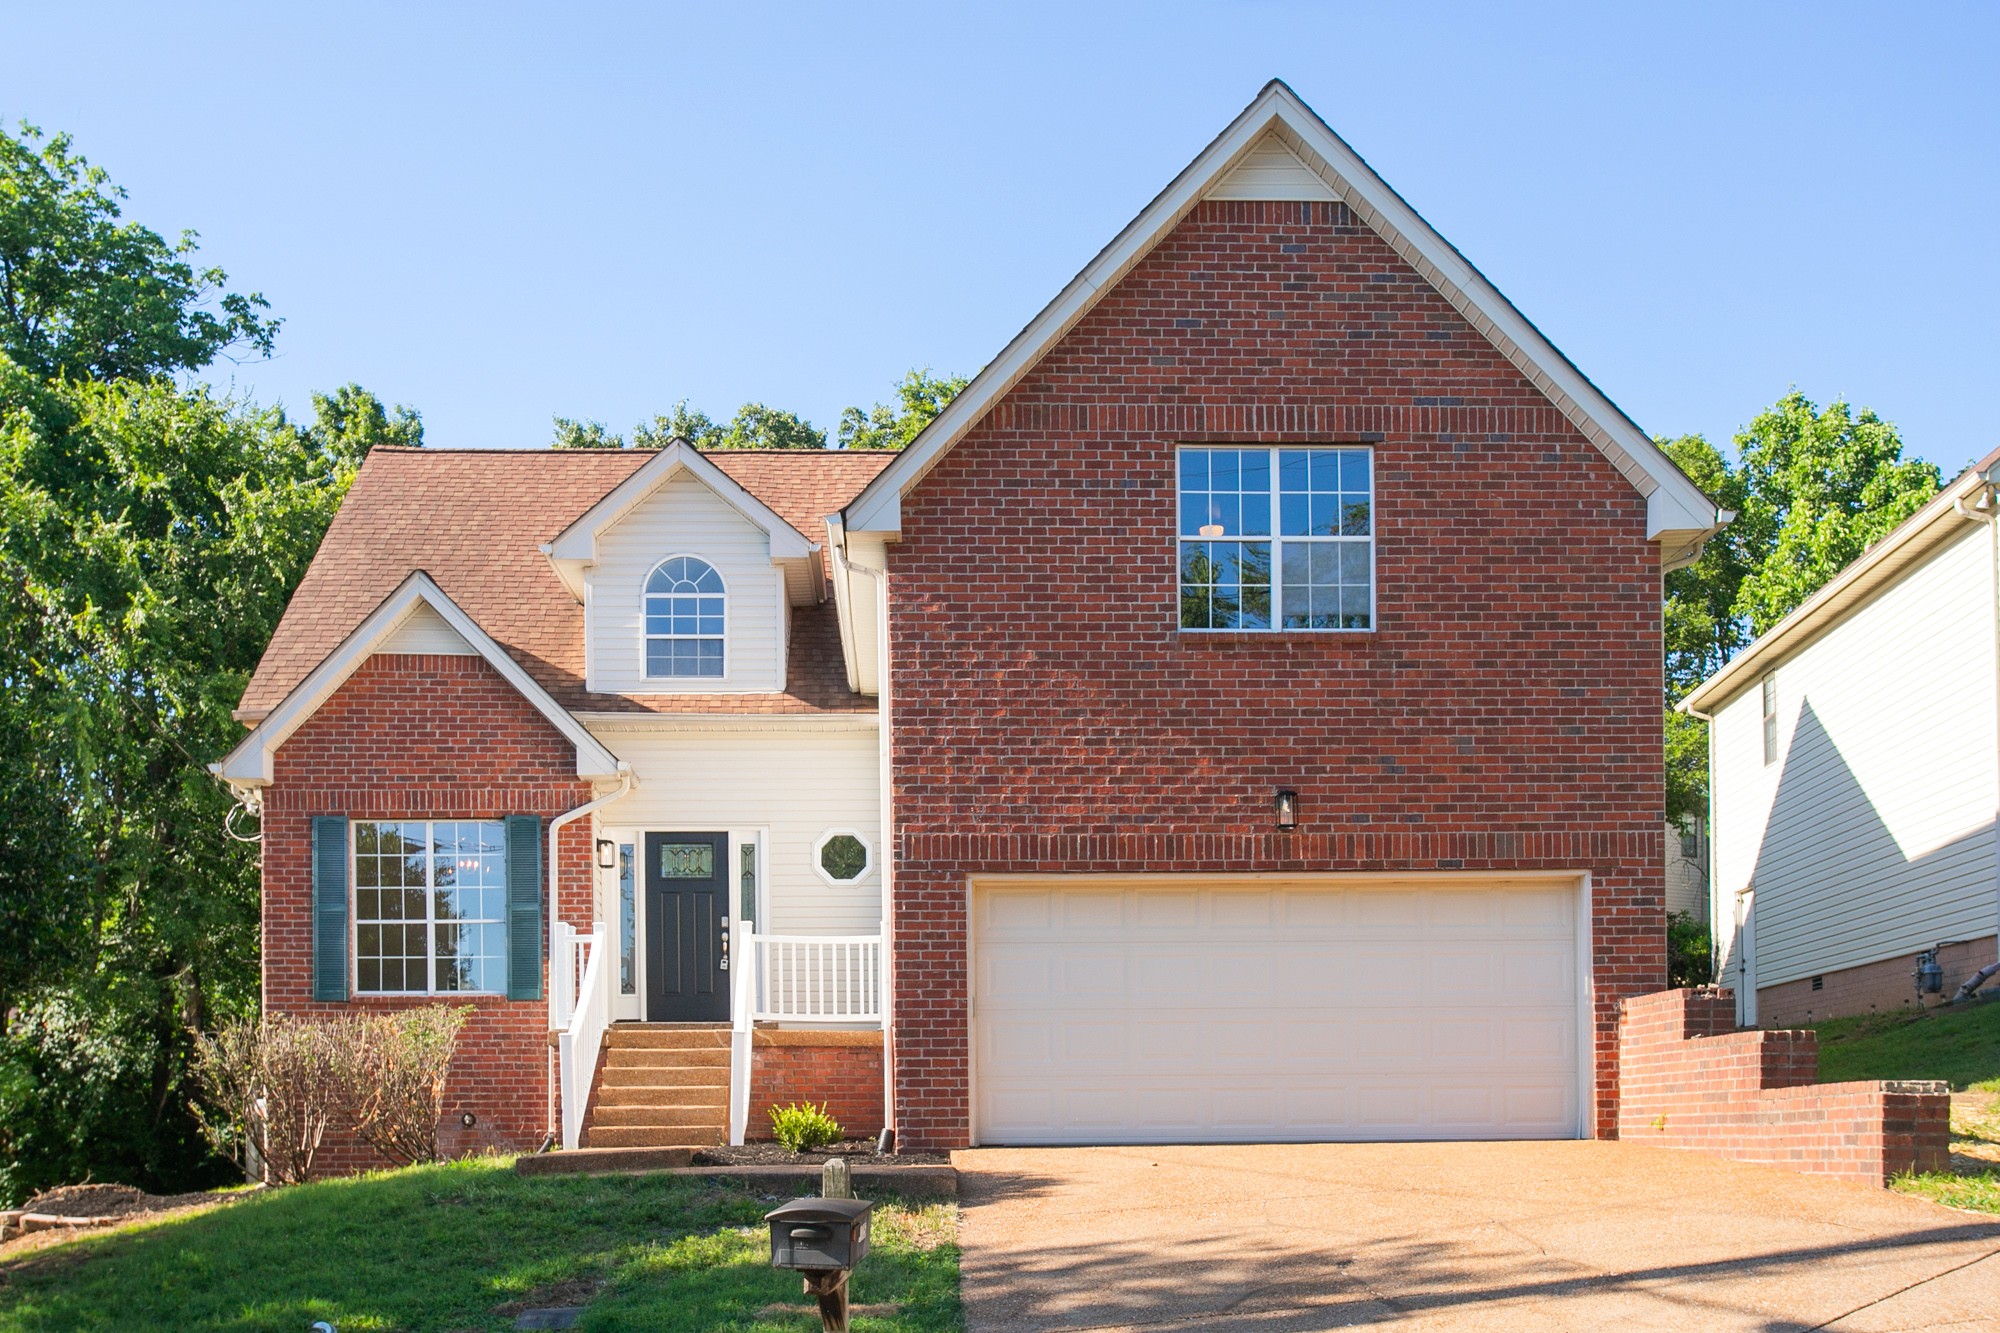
819, 1233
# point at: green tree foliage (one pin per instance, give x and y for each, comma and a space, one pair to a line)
1812, 489
86, 296
754, 426
919, 398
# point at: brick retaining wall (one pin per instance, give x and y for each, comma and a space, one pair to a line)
1690, 1079
841, 1069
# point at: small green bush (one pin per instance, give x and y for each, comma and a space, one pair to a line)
803, 1126
1689, 951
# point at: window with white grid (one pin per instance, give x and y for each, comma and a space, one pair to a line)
685, 604
430, 906
1277, 538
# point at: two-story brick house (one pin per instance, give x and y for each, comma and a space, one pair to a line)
1236, 717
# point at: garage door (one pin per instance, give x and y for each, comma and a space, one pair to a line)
1161, 1013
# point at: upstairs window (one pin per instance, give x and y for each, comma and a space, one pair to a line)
1770, 720
685, 603
1277, 539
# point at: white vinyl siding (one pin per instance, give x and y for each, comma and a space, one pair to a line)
424, 631
795, 785
1872, 834
684, 517
1272, 171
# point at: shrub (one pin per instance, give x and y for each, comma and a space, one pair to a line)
272, 1088
1689, 950
803, 1126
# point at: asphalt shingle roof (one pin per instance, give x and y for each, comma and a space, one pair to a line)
475, 521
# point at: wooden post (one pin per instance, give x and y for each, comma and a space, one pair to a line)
829, 1285
835, 1180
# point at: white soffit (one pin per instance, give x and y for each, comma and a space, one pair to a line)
250, 763
575, 547
1677, 511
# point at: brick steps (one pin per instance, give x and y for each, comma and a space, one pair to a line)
663, 1086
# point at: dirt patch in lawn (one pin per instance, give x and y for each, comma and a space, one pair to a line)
119, 1205
557, 1295
859, 1152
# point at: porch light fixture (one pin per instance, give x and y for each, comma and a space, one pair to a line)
1285, 805
607, 854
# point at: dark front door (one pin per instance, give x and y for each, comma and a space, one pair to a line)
687, 927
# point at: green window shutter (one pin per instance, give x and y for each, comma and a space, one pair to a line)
329, 881
524, 907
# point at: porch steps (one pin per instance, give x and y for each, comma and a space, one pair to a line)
662, 1085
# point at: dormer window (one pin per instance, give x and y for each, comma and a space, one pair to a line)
685, 603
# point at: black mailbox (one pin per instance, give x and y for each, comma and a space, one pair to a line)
819, 1233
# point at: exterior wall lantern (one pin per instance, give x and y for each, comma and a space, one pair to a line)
1285, 806
607, 854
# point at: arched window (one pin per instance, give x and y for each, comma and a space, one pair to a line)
684, 615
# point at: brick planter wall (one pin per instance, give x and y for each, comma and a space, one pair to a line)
1692, 1080
1050, 717
841, 1069
411, 736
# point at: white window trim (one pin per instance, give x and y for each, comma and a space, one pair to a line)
681, 684
1767, 728
430, 911
1276, 539
867, 849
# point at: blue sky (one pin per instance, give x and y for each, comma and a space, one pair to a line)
498, 213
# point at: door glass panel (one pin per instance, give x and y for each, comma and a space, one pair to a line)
628, 925
748, 856
687, 860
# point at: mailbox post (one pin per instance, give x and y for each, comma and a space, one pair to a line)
822, 1240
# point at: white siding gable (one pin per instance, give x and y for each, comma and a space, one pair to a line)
684, 517
1872, 834
1272, 171
424, 631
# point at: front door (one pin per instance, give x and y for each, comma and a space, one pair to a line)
687, 927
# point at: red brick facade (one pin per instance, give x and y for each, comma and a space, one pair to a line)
1050, 717
425, 737
1693, 1081
842, 1070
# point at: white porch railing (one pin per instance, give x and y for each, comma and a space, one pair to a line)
579, 1010
817, 978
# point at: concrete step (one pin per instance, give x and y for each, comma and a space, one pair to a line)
652, 1058
664, 1076
658, 1116
626, 1136
624, 1037
611, 1094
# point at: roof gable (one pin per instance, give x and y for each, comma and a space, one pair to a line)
575, 547
250, 763
1244, 162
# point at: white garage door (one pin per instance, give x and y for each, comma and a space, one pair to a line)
1162, 1013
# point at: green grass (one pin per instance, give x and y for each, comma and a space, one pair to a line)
1960, 1044
1978, 1193
459, 1247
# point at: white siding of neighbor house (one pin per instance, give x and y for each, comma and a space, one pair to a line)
1873, 833
1687, 875
793, 784
684, 517
425, 631
1271, 171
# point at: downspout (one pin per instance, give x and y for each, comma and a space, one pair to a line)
1708, 837
1981, 511
626, 781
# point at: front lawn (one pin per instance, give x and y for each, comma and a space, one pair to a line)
1957, 1043
465, 1246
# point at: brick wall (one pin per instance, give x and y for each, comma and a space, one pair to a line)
409, 737
1883, 985
841, 1069
1049, 716
1692, 1081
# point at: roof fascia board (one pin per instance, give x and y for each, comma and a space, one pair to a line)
251, 762
1876, 568
1677, 510
578, 541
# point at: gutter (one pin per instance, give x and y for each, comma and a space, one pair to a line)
626, 782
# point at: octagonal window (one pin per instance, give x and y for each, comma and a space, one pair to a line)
841, 857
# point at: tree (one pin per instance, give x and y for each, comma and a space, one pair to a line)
85, 296
573, 434
1812, 490
920, 396
754, 426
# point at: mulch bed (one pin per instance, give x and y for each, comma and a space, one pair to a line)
859, 1152
113, 1204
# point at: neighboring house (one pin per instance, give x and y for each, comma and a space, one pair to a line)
1234, 718
1854, 777
1687, 867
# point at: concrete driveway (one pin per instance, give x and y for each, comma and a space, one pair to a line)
1527, 1236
